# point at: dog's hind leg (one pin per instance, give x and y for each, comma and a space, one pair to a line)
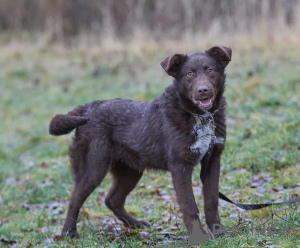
89, 168
124, 181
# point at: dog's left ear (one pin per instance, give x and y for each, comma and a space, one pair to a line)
173, 64
221, 54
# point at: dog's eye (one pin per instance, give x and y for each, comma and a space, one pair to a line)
190, 74
210, 71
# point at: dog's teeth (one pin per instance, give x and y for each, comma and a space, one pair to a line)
204, 103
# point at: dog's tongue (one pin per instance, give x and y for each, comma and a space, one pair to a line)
205, 101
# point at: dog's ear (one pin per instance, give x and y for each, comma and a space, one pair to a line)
221, 54
173, 64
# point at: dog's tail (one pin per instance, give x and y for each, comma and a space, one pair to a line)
64, 124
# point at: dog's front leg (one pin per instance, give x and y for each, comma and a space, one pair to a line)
182, 181
211, 190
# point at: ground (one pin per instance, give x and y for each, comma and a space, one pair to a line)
260, 163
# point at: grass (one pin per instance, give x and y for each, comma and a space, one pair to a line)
263, 143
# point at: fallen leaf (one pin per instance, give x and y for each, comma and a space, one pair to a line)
144, 235
292, 232
166, 219
261, 189
7, 241
258, 194
47, 182
226, 187
261, 241
255, 184
167, 234
43, 165
253, 83
57, 237
10, 180
157, 190
84, 213
131, 213
295, 195
256, 181
44, 229
267, 177
225, 215
166, 198
54, 205
234, 215
163, 193
111, 227
197, 190
157, 227
27, 206
276, 158
236, 195
29, 245
278, 188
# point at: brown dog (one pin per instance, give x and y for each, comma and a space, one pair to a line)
127, 137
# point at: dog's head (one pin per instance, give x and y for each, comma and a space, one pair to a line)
199, 77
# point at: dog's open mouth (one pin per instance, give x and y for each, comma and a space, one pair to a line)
204, 103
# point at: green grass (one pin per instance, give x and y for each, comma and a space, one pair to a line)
263, 88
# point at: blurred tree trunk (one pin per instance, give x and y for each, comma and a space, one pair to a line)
188, 17
154, 19
54, 19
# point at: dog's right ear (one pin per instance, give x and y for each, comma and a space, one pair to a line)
173, 64
221, 54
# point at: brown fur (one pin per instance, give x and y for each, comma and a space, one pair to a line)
127, 137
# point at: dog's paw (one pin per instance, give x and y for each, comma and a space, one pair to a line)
69, 233
141, 224
219, 234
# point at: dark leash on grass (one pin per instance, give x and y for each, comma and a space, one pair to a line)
204, 166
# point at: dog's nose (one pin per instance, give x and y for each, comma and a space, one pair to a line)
203, 90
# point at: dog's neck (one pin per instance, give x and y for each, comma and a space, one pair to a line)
197, 118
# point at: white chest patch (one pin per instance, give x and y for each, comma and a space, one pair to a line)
203, 139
